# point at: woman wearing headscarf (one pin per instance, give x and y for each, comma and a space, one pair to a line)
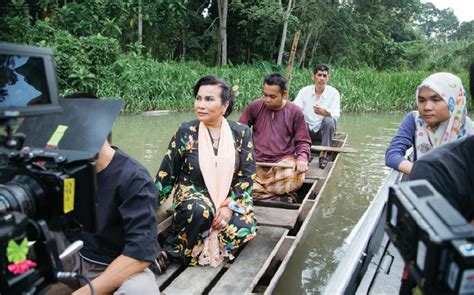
441, 118
211, 167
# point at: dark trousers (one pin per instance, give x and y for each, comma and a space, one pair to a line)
325, 132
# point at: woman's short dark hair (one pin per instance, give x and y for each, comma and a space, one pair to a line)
276, 79
321, 67
226, 95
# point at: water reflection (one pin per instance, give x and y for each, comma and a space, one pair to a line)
353, 184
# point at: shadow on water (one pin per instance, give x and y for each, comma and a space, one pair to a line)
354, 182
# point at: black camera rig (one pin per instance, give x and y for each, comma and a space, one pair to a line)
47, 169
433, 238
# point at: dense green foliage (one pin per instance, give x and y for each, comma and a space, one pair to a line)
379, 50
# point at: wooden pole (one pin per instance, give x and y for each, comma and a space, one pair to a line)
318, 148
291, 58
279, 165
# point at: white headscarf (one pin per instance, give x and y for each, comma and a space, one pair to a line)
450, 88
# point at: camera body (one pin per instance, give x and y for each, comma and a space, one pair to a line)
433, 238
50, 184
45, 185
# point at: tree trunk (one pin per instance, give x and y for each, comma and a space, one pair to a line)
222, 7
183, 44
283, 34
313, 50
140, 22
305, 46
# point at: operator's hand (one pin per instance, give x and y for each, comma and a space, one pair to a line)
301, 166
222, 218
319, 110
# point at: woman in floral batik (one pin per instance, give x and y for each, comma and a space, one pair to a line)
210, 165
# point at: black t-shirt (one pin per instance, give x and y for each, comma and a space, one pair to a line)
126, 214
450, 169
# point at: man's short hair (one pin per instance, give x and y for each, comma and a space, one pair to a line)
276, 79
321, 67
87, 95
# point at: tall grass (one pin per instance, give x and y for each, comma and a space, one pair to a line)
146, 84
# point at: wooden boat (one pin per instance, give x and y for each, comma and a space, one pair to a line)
259, 264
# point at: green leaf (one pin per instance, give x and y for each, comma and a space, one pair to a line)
17, 253
166, 189
243, 232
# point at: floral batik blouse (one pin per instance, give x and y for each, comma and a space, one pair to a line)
180, 166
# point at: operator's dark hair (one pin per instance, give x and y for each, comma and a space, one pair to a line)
226, 95
87, 95
276, 79
321, 67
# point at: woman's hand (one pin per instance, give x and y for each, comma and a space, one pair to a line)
222, 218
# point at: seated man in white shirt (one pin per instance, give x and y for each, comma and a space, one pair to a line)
320, 104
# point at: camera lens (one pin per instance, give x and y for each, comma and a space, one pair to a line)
19, 194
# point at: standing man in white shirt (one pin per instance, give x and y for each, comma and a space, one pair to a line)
321, 106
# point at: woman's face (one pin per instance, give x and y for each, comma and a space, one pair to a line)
432, 107
208, 105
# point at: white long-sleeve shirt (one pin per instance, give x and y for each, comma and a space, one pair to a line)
330, 100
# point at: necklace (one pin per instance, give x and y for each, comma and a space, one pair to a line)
215, 142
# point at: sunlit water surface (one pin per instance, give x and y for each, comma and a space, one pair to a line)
354, 182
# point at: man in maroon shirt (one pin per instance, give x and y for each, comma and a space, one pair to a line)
279, 136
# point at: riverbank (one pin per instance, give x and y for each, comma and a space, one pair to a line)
147, 85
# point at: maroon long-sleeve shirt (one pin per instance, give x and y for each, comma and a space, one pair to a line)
277, 134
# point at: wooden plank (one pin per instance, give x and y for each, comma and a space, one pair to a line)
169, 272
243, 273
276, 203
165, 224
317, 173
305, 209
318, 148
193, 280
320, 186
279, 165
276, 216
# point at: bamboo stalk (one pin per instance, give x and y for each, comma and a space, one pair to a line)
279, 165
290, 60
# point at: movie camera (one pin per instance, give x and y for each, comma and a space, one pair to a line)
433, 238
47, 169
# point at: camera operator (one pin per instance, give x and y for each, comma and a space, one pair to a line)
117, 255
450, 169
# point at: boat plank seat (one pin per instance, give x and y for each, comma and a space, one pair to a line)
314, 174
276, 204
165, 276
196, 279
277, 217
245, 271
238, 275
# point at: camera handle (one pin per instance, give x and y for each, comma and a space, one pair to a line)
71, 249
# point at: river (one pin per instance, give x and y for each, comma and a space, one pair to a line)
354, 182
